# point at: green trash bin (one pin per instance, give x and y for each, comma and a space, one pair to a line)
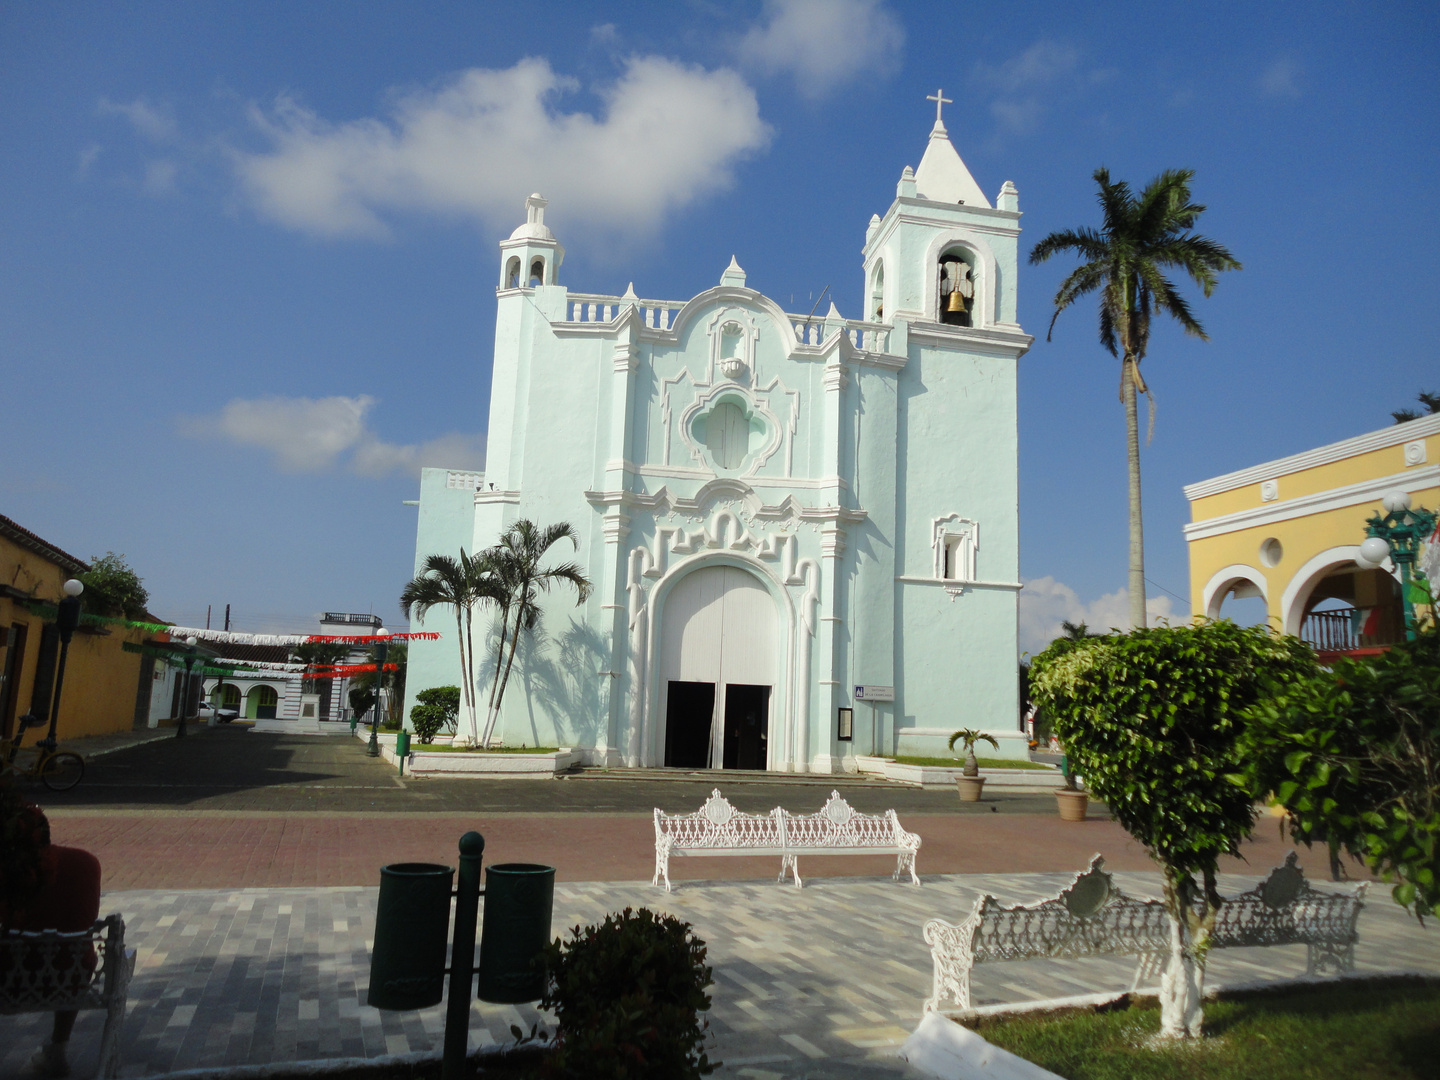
515, 929
412, 924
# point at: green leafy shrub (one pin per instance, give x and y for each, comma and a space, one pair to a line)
1354, 755
112, 588
437, 711
627, 997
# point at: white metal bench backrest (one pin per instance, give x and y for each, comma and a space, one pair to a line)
48, 970
1285, 909
717, 824
837, 824
1091, 916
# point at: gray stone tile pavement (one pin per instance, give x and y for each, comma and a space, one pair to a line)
824, 981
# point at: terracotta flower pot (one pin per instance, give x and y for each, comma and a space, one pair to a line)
1072, 804
970, 787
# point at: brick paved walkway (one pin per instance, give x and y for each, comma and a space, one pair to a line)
814, 982
208, 850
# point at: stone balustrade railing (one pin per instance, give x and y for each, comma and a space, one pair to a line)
660, 315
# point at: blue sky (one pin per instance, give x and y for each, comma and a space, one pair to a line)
247, 251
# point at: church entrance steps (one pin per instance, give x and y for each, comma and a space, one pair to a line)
728, 777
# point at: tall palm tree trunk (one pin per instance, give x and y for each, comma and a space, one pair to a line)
1137, 528
465, 694
468, 671
492, 705
510, 663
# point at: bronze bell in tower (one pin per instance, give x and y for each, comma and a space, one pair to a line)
957, 302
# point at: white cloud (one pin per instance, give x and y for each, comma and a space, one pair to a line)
824, 43
1281, 78
312, 435
156, 124
1018, 85
474, 147
1046, 603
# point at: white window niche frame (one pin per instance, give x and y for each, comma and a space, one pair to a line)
722, 364
959, 538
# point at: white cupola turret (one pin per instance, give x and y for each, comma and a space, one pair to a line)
531, 257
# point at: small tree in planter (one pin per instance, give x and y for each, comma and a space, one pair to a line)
1153, 721
970, 782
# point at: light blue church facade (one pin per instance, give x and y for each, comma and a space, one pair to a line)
774, 509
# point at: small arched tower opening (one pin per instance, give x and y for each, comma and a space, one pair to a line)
956, 278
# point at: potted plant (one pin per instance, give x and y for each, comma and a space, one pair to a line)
1073, 802
970, 782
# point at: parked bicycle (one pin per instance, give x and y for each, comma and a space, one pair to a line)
58, 770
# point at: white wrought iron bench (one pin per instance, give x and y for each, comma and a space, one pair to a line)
717, 828
50, 971
1094, 918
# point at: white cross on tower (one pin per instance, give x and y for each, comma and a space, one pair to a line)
940, 100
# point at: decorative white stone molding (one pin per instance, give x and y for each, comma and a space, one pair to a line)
958, 538
1415, 452
1269, 490
466, 481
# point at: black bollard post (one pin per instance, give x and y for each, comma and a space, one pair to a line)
462, 957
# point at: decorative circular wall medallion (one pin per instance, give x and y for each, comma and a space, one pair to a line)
732, 367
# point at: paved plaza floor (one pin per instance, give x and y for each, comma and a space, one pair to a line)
827, 980
252, 907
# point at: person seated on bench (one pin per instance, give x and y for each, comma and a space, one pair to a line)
44, 886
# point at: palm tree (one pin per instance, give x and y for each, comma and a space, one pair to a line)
448, 582
1140, 237
516, 568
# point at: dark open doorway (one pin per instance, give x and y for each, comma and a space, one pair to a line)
688, 715
747, 722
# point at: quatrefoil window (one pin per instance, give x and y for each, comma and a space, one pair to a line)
730, 431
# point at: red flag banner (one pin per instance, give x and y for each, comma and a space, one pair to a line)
373, 639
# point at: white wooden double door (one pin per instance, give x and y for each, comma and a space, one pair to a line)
719, 629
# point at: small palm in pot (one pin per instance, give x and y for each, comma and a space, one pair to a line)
968, 737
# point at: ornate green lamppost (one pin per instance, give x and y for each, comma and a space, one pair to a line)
1397, 535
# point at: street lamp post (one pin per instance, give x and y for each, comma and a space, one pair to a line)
1397, 535
66, 619
185, 697
382, 648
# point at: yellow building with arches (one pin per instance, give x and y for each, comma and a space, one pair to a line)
1289, 531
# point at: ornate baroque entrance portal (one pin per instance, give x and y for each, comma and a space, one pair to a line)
718, 670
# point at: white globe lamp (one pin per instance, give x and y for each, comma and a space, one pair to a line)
1373, 551
74, 587
1395, 501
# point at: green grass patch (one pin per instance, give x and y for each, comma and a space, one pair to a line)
985, 763
1371, 1030
445, 748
